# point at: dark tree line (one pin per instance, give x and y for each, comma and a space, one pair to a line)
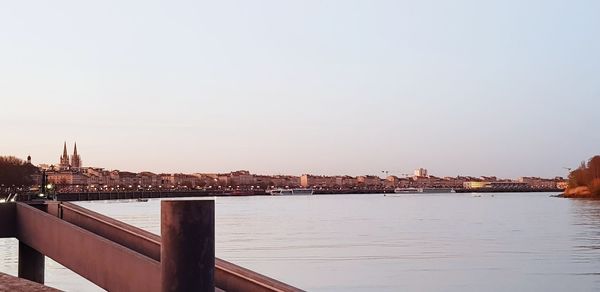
587, 175
16, 172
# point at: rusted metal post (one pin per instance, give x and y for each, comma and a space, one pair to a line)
31, 264
187, 253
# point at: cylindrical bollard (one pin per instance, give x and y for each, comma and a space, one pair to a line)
31, 264
187, 252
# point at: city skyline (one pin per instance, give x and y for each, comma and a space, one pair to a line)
74, 162
340, 87
70, 176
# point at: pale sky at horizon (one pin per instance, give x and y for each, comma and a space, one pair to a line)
505, 88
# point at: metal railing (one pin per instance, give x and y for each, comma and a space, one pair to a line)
228, 276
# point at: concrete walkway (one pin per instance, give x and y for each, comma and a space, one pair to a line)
11, 283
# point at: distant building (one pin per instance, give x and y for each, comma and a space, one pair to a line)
66, 178
149, 179
75, 159
494, 185
454, 182
307, 180
224, 180
345, 181
286, 181
391, 181
421, 172
242, 178
66, 163
368, 181
69, 174
562, 185
539, 183
475, 184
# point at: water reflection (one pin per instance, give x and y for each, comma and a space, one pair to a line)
586, 215
9, 255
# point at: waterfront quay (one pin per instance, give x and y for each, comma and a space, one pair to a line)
10, 283
144, 195
119, 257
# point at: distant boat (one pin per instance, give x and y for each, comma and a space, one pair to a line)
408, 190
142, 200
289, 192
302, 191
278, 192
423, 190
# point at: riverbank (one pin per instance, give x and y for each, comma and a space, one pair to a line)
101, 196
578, 192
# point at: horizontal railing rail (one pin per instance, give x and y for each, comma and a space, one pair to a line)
134, 238
105, 263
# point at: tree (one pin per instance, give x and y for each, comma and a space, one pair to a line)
577, 177
14, 171
587, 175
593, 174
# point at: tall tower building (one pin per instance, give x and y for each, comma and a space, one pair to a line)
75, 158
421, 172
64, 159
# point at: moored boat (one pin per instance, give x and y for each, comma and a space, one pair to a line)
302, 191
423, 190
278, 192
287, 192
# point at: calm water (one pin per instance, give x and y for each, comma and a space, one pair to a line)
441, 242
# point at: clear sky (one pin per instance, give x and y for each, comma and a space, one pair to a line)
506, 88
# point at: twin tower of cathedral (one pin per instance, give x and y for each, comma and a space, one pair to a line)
73, 163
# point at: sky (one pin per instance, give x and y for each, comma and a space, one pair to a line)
505, 88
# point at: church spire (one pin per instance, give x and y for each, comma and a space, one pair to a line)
64, 159
75, 158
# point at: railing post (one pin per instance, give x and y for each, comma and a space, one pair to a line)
31, 264
187, 255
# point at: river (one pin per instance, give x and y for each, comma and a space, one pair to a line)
437, 242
